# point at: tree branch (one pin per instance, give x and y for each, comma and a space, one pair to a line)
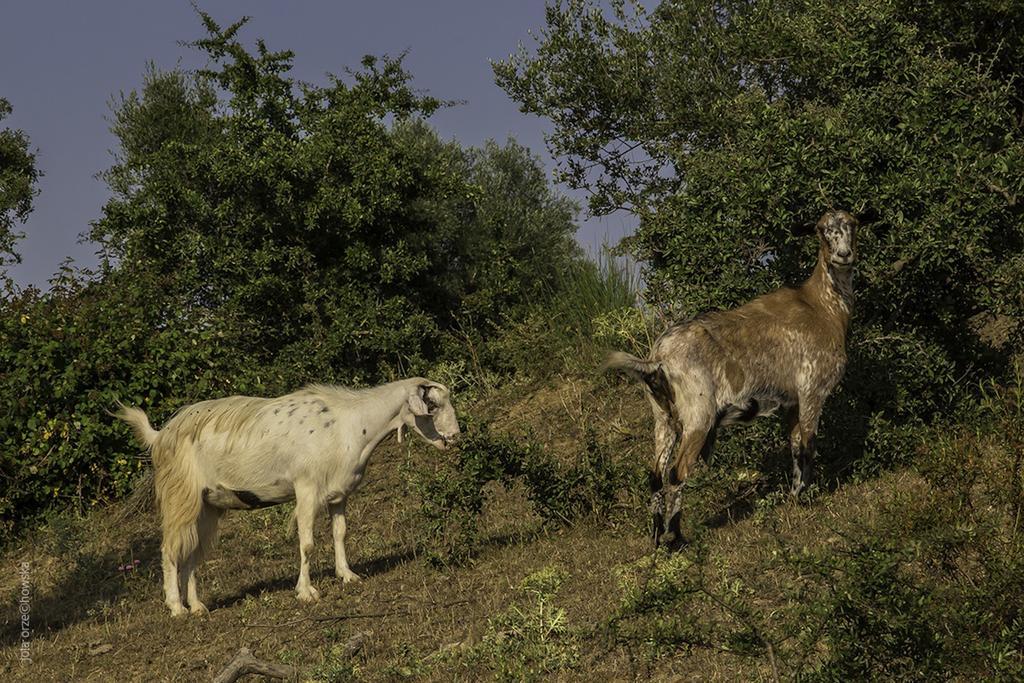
244, 664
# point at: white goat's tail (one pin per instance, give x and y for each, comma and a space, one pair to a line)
179, 494
144, 431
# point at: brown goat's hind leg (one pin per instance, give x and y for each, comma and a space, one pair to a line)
667, 437
791, 420
707, 450
689, 448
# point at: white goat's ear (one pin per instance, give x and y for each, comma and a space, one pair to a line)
416, 403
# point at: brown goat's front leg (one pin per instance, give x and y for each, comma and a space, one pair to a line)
791, 421
803, 443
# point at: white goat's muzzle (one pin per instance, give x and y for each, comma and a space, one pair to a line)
449, 439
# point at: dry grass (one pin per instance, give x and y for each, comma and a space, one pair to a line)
423, 623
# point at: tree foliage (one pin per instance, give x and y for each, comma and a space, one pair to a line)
723, 124
262, 234
326, 223
18, 177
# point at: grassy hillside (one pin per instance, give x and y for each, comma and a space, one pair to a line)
914, 574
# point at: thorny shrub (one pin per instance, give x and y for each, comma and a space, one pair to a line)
453, 496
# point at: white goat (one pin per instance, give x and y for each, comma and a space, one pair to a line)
310, 446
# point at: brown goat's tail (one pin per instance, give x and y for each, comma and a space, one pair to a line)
144, 431
630, 365
649, 372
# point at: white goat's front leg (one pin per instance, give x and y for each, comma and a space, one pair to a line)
195, 605
172, 594
338, 526
305, 509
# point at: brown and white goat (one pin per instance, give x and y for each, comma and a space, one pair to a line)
240, 452
783, 350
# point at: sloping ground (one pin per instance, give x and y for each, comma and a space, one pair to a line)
582, 601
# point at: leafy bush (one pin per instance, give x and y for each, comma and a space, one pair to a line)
453, 496
922, 584
721, 125
64, 358
673, 602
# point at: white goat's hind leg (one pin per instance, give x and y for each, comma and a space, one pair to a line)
196, 605
305, 509
209, 518
338, 527
179, 542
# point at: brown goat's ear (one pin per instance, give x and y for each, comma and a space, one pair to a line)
803, 229
868, 214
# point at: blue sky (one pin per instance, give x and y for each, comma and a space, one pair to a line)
62, 63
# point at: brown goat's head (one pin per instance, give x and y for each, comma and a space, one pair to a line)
837, 231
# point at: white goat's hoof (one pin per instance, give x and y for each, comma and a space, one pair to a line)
309, 595
198, 609
178, 610
348, 576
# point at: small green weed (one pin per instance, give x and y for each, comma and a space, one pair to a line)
531, 639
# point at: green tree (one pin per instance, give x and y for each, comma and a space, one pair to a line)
18, 177
723, 124
263, 234
325, 224
512, 233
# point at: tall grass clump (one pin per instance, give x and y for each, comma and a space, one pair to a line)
594, 305
591, 289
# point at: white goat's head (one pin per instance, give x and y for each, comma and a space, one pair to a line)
430, 414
